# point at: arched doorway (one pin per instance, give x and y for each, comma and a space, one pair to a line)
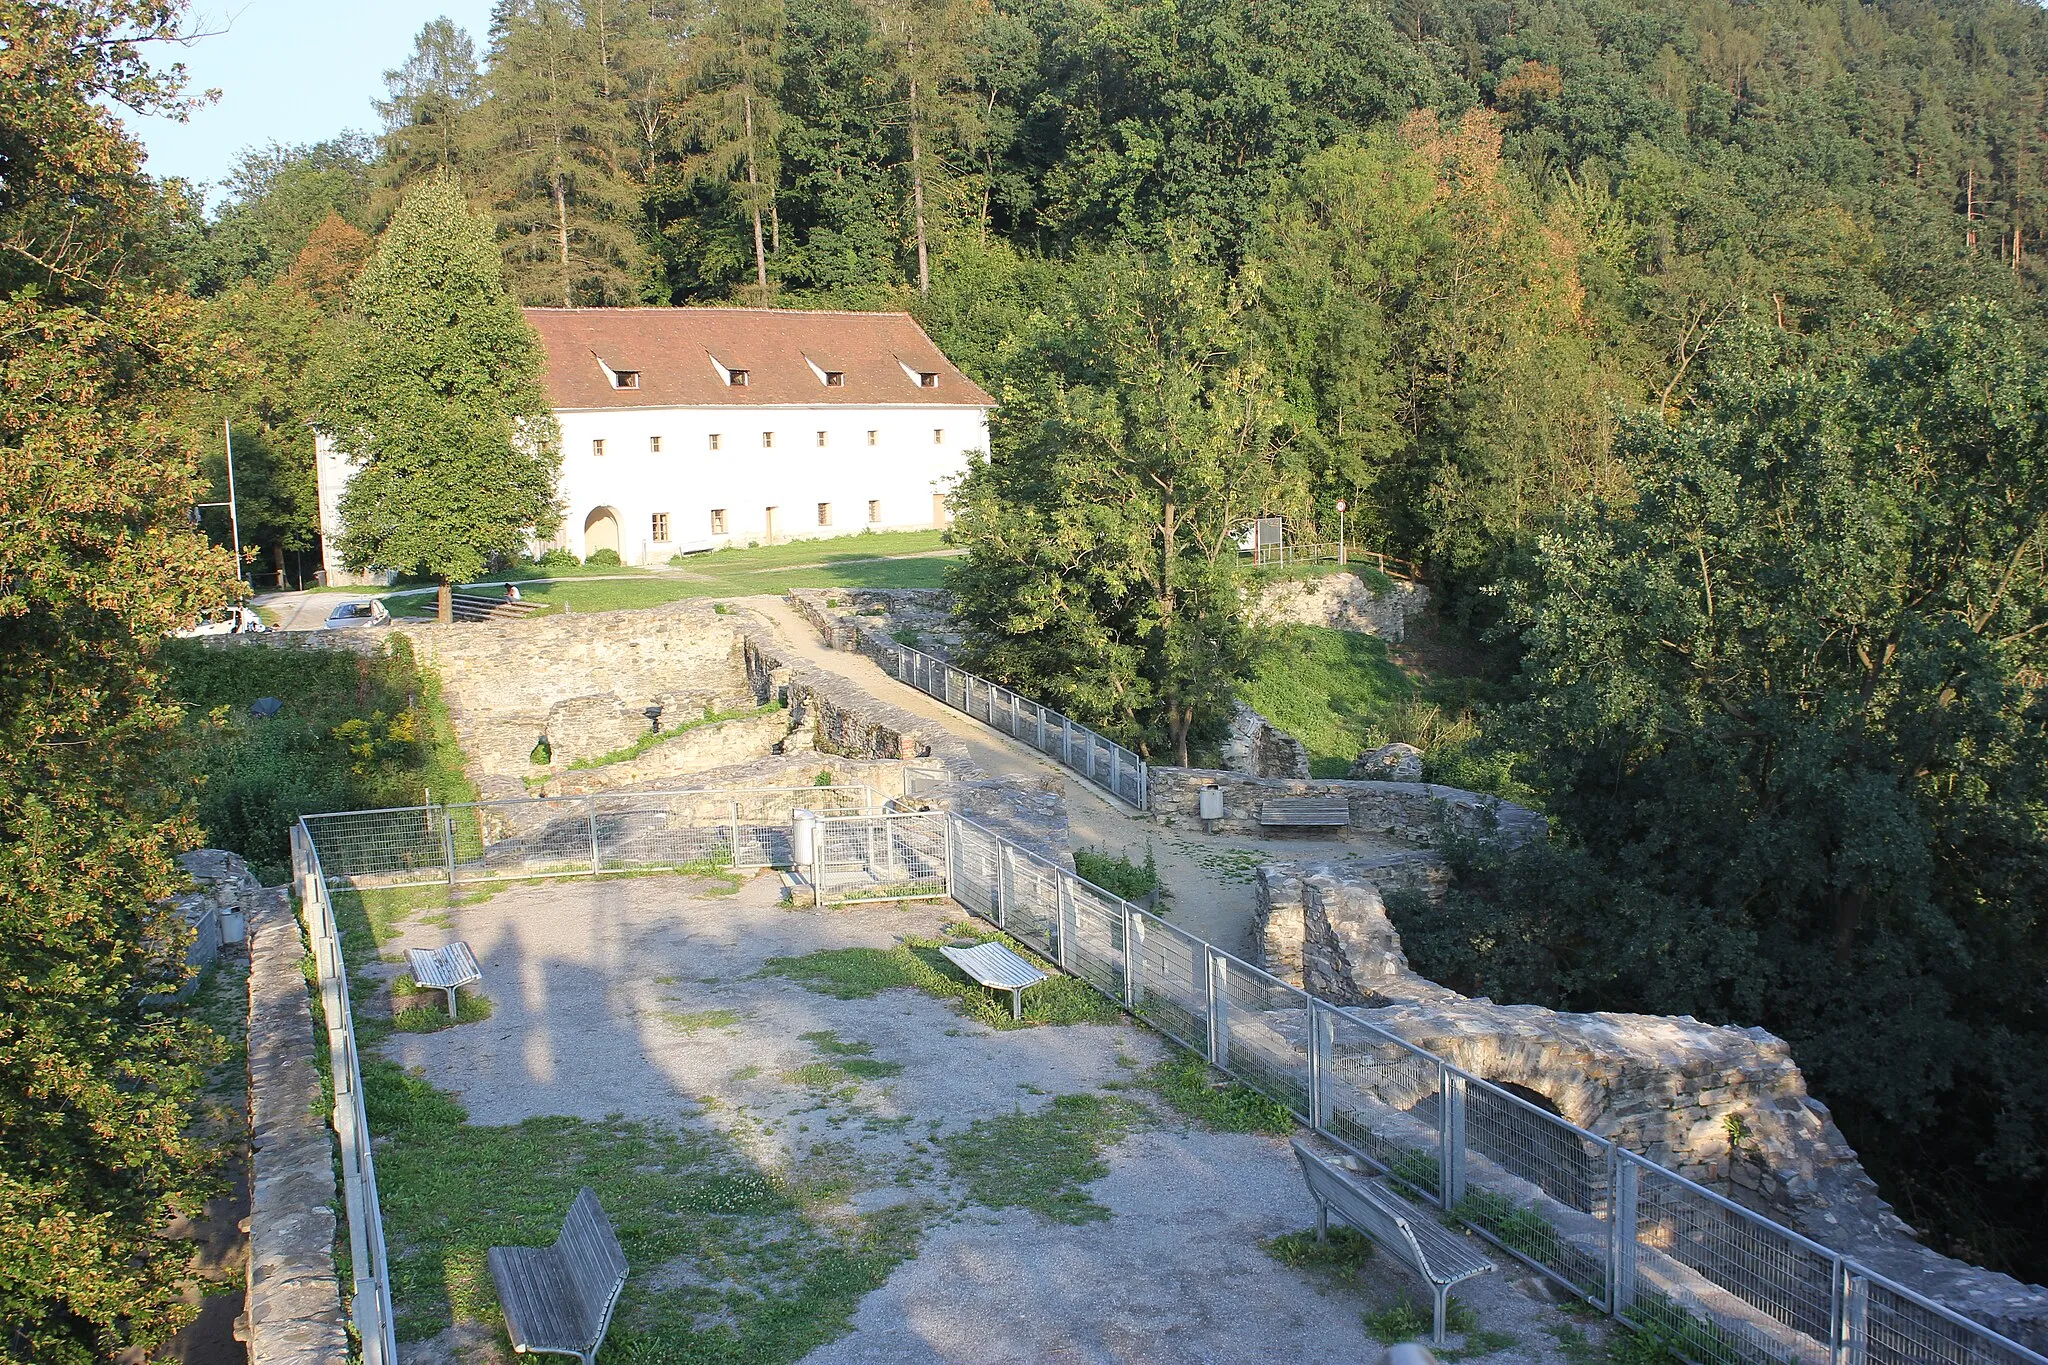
600, 531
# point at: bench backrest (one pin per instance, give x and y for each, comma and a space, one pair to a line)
1305, 810
591, 1259
1355, 1204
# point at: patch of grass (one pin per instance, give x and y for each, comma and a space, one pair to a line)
1409, 1320
1046, 1160
655, 738
1416, 1173
694, 1020
1347, 1249
859, 973
1192, 1087
1336, 691
829, 1042
1116, 873
427, 1010
1480, 1342
1660, 1332
869, 1068
752, 1278
1375, 581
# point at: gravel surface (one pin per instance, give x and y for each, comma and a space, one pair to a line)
640, 997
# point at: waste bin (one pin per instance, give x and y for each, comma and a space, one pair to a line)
804, 838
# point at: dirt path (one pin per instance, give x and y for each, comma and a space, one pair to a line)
1208, 878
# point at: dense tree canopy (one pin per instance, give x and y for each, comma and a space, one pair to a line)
97, 562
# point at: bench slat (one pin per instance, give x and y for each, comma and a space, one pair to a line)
559, 1299
1306, 810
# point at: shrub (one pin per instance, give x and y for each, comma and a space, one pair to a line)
556, 559
603, 558
1117, 874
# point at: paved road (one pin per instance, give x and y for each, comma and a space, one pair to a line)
1207, 877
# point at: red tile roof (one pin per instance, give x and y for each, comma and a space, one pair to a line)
679, 353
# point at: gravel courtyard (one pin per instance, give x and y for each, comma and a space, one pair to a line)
806, 1161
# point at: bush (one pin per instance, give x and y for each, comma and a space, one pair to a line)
1117, 874
603, 558
556, 559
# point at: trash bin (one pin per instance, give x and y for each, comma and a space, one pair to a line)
1211, 798
804, 840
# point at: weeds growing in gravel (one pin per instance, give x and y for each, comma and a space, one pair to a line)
426, 1011
1347, 1249
1043, 1161
1408, 1320
1205, 1095
858, 973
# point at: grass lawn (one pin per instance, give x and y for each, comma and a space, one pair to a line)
1342, 693
846, 562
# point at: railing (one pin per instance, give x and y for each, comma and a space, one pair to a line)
1101, 760
1318, 551
370, 1268
1717, 1282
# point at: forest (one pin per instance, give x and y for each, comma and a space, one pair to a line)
1694, 349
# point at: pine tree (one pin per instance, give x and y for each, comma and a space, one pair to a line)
930, 47
735, 114
430, 115
558, 158
432, 386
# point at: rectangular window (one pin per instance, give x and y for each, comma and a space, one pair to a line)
654, 445
738, 379
873, 438
874, 511
714, 440
661, 527
597, 447
821, 438
824, 514
927, 380
835, 379
767, 440
938, 436
718, 521
625, 379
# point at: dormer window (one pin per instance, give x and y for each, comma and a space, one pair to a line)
926, 379
736, 378
625, 379
835, 379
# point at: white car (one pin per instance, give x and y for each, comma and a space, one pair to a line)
351, 615
225, 621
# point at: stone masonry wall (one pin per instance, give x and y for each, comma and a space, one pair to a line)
1724, 1106
1341, 601
1259, 748
1413, 812
294, 1314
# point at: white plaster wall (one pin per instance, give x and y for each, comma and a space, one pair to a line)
687, 479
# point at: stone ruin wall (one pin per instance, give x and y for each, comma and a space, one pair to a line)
1341, 601
1257, 747
1664, 1087
1413, 813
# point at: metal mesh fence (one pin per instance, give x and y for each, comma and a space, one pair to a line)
1102, 761
897, 856
1888, 1326
1536, 1186
401, 845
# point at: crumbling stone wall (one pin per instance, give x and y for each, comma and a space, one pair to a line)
1411, 812
1341, 601
868, 620
1259, 748
1724, 1106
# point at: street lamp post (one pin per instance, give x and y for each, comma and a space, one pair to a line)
234, 513
1340, 530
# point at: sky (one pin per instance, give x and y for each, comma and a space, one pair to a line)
288, 71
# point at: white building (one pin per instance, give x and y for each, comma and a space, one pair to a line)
691, 428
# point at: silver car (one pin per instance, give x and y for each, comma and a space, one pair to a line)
350, 615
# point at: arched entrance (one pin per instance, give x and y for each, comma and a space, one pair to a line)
600, 531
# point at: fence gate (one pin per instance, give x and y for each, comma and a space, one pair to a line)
890, 857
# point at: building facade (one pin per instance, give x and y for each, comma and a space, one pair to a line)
687, 429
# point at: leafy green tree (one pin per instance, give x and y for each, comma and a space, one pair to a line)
432, 387
929, 45
1101, 533
277, 196
1787, 708
98, 1084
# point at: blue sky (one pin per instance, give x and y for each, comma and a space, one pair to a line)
288, 71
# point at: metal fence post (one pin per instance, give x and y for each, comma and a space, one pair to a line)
1852, 1335
1041, 726
1134, 954
1062, 910
1113, 790
1002, 898
590, 813
1130, 961
1219, 1004
1323, 1052
1315, 1063
1450, 1137
1621, 1236
448, 843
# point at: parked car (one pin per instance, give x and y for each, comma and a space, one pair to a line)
225, 621
350, 615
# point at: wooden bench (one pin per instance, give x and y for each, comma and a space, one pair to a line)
468, 607
447, 968
1443, 1258
998, 968
558, 1300
1306, 810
